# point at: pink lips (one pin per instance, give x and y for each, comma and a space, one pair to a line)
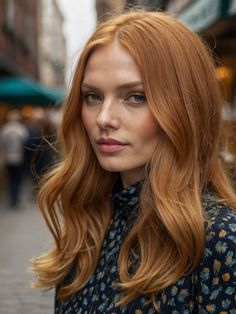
109, 145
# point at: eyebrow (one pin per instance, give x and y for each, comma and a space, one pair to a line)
122, 86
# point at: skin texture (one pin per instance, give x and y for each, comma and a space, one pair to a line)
115, 107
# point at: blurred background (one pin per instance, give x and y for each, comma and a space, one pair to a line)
40, 42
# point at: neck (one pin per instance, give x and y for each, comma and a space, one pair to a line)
130, 177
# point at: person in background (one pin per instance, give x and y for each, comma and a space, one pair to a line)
13, 138
140, 206
39, 153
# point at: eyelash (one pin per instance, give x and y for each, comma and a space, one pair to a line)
142, 96
87, 95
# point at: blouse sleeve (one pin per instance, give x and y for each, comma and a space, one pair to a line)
216, 276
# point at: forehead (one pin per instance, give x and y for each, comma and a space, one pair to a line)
112, 58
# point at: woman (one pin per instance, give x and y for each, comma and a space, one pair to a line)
140, 207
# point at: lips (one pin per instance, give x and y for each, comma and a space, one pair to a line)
110, 145
109, 141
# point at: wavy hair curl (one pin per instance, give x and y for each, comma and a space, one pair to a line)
184, 97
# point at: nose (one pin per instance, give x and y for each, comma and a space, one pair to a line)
108, 116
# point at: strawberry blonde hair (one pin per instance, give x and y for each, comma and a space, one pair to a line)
184, 97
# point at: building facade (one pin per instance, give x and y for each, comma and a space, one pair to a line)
18, 38
150, 5
52, 45
215, 21
174, 7
105, 7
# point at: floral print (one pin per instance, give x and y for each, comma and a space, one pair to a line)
211, 288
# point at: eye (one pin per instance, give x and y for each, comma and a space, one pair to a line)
92, 97
136, 98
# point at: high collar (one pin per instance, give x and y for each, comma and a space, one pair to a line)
126, 198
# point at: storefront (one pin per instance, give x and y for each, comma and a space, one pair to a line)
215, 21
26, 94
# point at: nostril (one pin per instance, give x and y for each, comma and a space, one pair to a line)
107, 119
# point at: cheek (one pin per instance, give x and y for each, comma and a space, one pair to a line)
87, 120
148, 130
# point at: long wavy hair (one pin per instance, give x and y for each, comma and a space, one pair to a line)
184, 97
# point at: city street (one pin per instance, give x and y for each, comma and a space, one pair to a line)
23, 235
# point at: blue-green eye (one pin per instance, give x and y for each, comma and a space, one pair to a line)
137, 98
92, 97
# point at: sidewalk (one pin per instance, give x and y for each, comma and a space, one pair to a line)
23, 235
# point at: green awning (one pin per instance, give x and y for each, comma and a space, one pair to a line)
203, 13
21, 90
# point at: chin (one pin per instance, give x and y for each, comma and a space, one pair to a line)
112, 167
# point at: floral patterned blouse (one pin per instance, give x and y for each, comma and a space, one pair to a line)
211, 288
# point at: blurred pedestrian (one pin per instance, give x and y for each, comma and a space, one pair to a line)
39, 152
141, 208
13, 139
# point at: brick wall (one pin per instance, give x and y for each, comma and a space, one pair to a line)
18, 37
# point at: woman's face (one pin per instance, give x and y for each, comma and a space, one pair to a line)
115, 113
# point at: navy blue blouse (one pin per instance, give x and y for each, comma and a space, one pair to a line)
211, 288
